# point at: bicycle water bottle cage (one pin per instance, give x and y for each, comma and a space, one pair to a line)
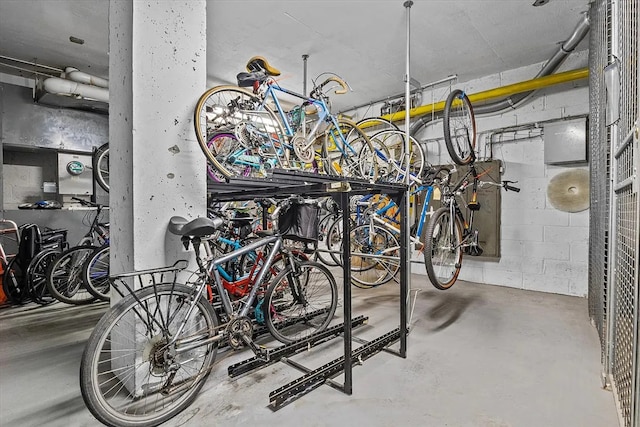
259, 63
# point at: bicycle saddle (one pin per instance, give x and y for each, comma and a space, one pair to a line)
248, 79
259, 63
197, 227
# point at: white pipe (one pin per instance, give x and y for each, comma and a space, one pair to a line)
67, 87
80, 77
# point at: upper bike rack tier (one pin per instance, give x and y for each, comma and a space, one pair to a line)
284, 183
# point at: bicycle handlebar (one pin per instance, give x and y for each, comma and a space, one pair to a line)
505, 184
342, 83
508, 187
86, 202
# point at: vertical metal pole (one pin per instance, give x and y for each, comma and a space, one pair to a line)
304, 74
346, 265
405, 258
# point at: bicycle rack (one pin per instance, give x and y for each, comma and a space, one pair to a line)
286, 183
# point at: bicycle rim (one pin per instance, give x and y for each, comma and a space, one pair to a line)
459, 127
259, 143
370, 271
123, 375
442, 249
300, 302
393, 168
341, 152
101, 166
95, 273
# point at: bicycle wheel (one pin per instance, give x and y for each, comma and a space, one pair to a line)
301, 302
128, 375
392, 163
442, 240
334, 239
373, 125
367, 271
100, 163
64, 276
95, 273
258, 142
459, 127
340, 152
37, 276
216, 144
324, 225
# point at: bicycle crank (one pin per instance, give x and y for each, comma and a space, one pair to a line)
240, 332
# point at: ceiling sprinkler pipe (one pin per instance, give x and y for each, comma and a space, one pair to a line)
66, 87
580, 31
74, 74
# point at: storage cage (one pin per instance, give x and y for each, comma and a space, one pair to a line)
614, 222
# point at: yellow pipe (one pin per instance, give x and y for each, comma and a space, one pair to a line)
502, 91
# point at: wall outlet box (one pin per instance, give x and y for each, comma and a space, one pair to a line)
49, 187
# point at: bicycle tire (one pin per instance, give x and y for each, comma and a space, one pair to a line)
373, 125
64, 276
300, 302
369, 272
335, 237
459, 127
213, 172
324, 225
37, 276
100, 164
95, 273
343, 160
442, 249
137, 394
225, 109
392, 162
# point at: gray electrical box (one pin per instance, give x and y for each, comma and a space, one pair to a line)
75, 175
565, 142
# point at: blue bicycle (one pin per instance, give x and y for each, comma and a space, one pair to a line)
249, 133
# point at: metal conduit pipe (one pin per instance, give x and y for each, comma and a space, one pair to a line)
515, 99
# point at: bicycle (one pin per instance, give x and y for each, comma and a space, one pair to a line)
151, 353
65, 275
449, 233
245, 133
375, 237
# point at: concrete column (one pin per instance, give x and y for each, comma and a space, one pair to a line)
157, 72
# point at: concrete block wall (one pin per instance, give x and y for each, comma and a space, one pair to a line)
542, 248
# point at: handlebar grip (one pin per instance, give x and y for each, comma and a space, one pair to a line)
511, 187
345, 87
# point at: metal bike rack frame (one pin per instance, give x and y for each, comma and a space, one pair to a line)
283, 183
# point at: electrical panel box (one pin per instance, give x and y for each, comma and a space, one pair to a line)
565, 142
75, 174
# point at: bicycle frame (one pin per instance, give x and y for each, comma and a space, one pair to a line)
324, 116
454, 208
379, 218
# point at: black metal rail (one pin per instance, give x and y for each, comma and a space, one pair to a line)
313, 379
274, 355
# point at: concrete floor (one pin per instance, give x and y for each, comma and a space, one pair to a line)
478, 355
